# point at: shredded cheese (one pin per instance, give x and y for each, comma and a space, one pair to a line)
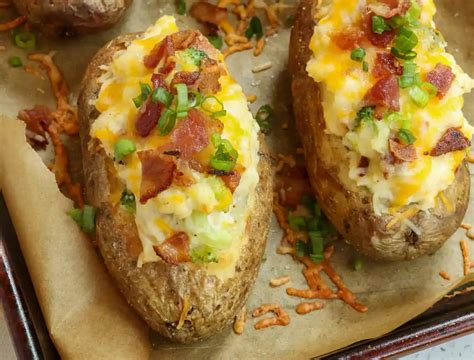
465, 256
407, 214
444, 275
184, 312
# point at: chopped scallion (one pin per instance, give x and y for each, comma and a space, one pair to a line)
317, 246
163, 96
166, 122
358, 54
379, 25
210, 102
145, 90
122, 148
296, 222
406, 136
216, 41
84, 217
301, 248
419, 96
15, 62
264, 117
358, 264
181, 7
225, 157
127, 200
181, 98
255, 28
25, 40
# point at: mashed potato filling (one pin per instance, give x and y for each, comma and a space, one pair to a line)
207, 211
344, 83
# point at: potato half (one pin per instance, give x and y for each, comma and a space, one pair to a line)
352, 211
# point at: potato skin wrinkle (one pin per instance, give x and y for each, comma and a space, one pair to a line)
58, 18
157, 290
352, 211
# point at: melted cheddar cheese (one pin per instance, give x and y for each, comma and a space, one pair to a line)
206, 210
344, 84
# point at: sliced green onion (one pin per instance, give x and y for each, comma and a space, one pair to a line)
290, 20
326, 227
408, 56
166, 122
396, 22
409, 73
402, 121
84, 217
413, 13
419, 96
122, 148
145, 90
296, 222
15, 62
163, 96
429, 88
264, 117
203, 254
365, 66
225, 156
196, 99
312, 224
308, 202
358, 54
379, 25
181, 114
317, 210
301, 248
317, 246
181, 98
358, 264
25, 40
206, 102
127, 200
406, 136
255, 28
181, 7
216, 41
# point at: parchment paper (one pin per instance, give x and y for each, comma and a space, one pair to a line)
394, 293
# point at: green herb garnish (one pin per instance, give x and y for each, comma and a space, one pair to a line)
225, 157
127, 200
255, 28
264, 117
358, 54
145, 91
84, 217
216, 41
15, 62
379, 25
406, 136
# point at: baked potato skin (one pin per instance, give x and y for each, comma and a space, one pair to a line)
349, 209
157, 290
72, 17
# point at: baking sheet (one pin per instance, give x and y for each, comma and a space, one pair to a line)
394, 293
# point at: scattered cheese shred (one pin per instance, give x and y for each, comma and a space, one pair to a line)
465, 256
307, 307
251, 98
281, 318
276, 282
184, 313
444, 275
407, 214
239, 322
9, 25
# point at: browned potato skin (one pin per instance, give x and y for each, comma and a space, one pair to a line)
72, 17
350, 210
156, 290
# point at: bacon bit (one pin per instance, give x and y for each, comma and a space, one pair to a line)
307, 307
385, 93
232, 180
385, 65
317, 286
262, 67
470, 233
184, 312
276, 282
148, 116
452, 140
466, 226
251, 98
259, 46
402, 152
9, 25
175, 249
157, 173
236, 48
444, 275
470, 158
2, 48
407, 214
65, 114
441, 77
294, 183
364, 162
208, 13
185, 77
209, 76
465, 256
390, 8
239, 321
282, 218
285, 250
191, 135
349, 38
281, 319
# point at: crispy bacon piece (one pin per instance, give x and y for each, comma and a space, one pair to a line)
452, 140
364, 162
209, 77
185, 77
442, 77
232, 180
190, 135
208, 13
386, 64
148, 117
158, 80
349, 38
384, 93
400, 152
37, 121
390, 8
175, 249
161, 51
293, 184
157, 173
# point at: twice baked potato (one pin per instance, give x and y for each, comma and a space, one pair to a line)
163, 122
72, 17
377, 102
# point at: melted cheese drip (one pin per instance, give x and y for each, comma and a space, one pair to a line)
194, 209
344, 84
